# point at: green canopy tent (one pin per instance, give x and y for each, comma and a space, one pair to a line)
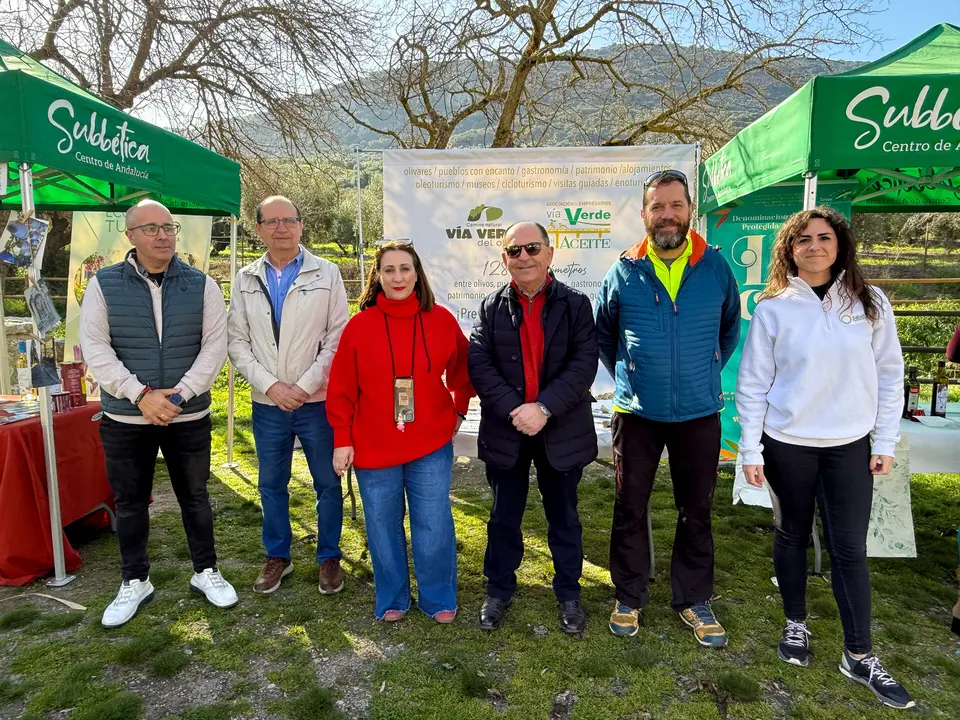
87, 155
891, 126
73, 151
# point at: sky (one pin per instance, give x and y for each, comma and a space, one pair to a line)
902, 21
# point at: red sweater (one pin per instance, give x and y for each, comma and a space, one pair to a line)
531, 339
360, 393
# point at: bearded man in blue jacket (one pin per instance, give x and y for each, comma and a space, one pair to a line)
668, 319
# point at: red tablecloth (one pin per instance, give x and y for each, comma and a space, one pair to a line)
26, 549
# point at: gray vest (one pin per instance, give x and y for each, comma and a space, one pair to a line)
133, 331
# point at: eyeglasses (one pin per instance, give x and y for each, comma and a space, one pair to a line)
152, 229
274, 223
669, 175
533, 249
395, 241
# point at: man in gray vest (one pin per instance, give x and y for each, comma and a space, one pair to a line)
154, 332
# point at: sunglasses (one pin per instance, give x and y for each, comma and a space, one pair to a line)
533, 249
395, 241
669, 175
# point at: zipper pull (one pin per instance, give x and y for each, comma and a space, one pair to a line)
656, 296
675, 311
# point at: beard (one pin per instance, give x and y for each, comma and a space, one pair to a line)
669, 236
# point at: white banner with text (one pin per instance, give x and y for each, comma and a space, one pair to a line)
455, 206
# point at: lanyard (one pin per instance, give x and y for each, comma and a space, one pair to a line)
413, 347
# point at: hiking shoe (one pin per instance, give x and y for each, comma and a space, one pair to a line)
213, 587
795, 644
273, 571
133, 594
572, 618
871, 673
331, 577
624, 620
706, 629
493, 612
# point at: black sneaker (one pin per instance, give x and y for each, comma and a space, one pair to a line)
870, 672
795, 644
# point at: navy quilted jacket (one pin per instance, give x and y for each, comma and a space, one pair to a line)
666, 356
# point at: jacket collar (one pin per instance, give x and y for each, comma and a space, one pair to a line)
311, 263
800, 286
640, 250
131, 259
549, 289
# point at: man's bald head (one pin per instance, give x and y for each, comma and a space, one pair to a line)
146, 207
526, 226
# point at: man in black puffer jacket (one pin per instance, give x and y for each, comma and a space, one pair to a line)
533, 356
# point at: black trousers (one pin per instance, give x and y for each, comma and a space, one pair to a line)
131, 456
840, 481
694, 449
558, 491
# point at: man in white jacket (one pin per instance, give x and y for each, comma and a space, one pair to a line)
287, 311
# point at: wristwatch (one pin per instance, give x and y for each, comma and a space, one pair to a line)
543, 409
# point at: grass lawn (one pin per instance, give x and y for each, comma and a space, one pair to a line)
296, 655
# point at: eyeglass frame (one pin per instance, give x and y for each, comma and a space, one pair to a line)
297, 221
671, 173
538, 246
176, 229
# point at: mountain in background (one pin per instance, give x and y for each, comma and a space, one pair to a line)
588, 114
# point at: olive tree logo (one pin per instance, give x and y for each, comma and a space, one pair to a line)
493, 213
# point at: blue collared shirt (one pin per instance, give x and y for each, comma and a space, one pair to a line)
279, 282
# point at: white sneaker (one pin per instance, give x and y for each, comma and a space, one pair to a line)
211, 585
132, 595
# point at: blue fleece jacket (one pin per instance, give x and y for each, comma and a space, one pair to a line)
665, 356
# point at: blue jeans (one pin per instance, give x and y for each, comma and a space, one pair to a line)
426, 482
273, 432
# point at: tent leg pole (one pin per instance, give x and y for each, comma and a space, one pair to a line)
60, 576
809, 191
359, 218
231, 376
4, 357
701, 219
46, 423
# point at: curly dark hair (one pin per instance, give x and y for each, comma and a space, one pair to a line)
852, 286
373, 287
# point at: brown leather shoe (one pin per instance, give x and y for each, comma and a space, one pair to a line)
273, 571
331, 577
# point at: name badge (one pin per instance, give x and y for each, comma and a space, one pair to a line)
403, 401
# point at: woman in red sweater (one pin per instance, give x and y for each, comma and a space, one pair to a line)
394, 419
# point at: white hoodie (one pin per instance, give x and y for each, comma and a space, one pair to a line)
819, 374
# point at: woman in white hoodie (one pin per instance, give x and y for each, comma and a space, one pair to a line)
819, 396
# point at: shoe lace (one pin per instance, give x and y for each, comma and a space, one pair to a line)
215, 578
704, 614
795, 634
125, 595
877, 671
622, 609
